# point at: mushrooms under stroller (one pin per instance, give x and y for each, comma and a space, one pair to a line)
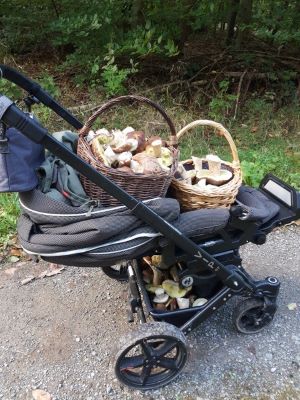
203, 243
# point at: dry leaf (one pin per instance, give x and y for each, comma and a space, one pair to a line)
13, 259
292, 306
42, 274
10, 271
54, 271
27, 280
39, 394
16, 252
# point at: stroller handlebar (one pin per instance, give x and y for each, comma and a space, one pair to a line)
35, 89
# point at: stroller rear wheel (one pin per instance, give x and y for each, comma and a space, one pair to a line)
151, 356
252, 315
117, 272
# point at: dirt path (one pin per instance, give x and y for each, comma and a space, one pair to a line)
59, 333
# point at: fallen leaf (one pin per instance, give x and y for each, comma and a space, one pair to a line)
13, 259
43, 274
10, 271
292, 306
27, 280
39, 394
16, 252
55, 271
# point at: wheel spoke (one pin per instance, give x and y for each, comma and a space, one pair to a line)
132, 362
146, 348
146, 372
168, 363
165, 348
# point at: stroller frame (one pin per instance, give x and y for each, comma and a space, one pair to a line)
225, 262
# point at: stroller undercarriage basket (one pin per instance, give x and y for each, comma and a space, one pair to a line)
205, 242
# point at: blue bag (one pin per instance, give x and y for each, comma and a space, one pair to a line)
19, 159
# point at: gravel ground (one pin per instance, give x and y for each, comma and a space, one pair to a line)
59, 334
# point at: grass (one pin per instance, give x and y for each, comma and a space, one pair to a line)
266, 141
9, 211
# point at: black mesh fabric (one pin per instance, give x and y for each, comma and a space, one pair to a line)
259, 207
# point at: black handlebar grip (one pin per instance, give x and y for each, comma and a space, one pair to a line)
15, 117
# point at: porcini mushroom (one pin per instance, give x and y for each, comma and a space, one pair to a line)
150, 164
199, 302
140, 137
173, 289
183, 302
157, 275
98, 151
153, 148
104, 136
160, 296
125, 158
214, 174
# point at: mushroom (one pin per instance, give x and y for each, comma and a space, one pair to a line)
136, 167
151, 288
150, 164
153, 148
90, 136
110, 155
127, 130
157, 275
183, 302
214, 174
98, 151
160, 296
140, 137
125, 159
104, 136
173, 289
199, 302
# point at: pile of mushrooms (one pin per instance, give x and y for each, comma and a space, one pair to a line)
164, 289
130, 151
197, 174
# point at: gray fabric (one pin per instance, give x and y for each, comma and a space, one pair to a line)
258, 206
58, 179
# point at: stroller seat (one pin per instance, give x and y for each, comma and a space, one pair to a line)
101, 237
71, 235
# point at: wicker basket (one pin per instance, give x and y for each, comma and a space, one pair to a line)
140, 186
190, 197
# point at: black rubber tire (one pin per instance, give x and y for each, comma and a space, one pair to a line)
118, 273
157, 337
250, 316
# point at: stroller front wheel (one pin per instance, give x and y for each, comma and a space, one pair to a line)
151, 356
251, 316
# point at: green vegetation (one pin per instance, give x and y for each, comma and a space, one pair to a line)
234, 61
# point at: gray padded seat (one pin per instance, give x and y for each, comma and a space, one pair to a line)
67, 235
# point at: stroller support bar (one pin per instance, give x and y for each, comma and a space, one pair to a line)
35, 89
234, 278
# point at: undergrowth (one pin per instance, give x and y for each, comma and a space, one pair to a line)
267, 141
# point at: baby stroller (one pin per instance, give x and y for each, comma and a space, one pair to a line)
204, 242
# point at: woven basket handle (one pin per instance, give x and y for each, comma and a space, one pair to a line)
221, 130
130, 98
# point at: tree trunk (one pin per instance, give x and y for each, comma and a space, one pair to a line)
233, 12
244, 20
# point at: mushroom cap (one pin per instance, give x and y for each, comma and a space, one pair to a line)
199, 302
183, 302
214, 178
163, 298
151, 288
140, 137
173, 289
